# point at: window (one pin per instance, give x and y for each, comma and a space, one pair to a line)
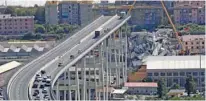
202, 79
203, 43
162, 74
175, 74
197, 47
156, 74
194, 73
192, 47
197, 42
182, 73
202, 73
169, 74
149, 74
188, 73
203, 47
186, 43
192, 43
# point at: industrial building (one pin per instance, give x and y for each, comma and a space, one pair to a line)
10, 25
175, 69
11, 49
6, 71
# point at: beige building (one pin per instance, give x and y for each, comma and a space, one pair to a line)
195, 43
16, 24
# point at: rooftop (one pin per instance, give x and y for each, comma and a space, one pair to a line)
140, 84
8, 16
192, 37
175, 62
9, 66
119, 91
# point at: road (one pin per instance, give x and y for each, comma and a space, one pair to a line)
18, 85
85, 47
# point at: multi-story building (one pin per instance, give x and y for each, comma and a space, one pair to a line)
73, 12
175, 70
189, 12
51, 12
194, 43
143, 16
16, 24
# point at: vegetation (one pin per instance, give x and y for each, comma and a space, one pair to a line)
175, 86
36, 11
161, 89
193, 29
196, 97
147, 80
190, 85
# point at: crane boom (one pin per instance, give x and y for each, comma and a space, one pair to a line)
173, 26
131, 7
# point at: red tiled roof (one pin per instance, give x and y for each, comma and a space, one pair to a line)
140, 84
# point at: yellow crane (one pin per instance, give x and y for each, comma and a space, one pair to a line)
183, 51
131, 7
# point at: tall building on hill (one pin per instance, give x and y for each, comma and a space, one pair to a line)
74, 13
51, 12
189, 12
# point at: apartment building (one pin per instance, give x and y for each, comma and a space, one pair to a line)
175, 69
143, 16
51, 12
189, 12
195, 43
16, 24
75, 13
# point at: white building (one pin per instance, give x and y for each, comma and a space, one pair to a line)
175, 69
141, 88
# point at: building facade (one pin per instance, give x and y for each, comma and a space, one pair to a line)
16, 24
194, 43
141, 88
75, 13
189, 12
175, 70
51, 12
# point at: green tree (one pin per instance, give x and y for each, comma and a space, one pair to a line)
190, 85
147, 80
10, 10
39, 15
161, 89
60, 30
39, 28
175, 86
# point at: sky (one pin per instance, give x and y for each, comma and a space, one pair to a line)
27, 2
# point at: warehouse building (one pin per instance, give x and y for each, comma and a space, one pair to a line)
175, 69
6, 71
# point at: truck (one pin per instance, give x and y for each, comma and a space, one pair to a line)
122, 15
97, 33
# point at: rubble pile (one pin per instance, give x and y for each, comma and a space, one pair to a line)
143, 44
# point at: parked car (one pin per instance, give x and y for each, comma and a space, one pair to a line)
35, 85
41, 86
44, 91
71, 56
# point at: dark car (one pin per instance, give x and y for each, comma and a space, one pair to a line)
35, 86
71, 56
43, 71
41, 86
